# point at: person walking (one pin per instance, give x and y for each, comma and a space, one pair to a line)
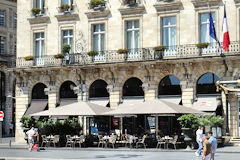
213, 141
207, 149
30, 133
199, 135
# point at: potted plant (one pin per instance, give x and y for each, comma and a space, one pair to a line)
59, 56
36, 11
130, 2
122, 51
159, 51
65, 7
92, 53
29, 58
66, 48
202, 45
189, 124
97, 4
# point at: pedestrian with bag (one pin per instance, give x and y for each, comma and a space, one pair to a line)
30, 133
213, 141
207, 149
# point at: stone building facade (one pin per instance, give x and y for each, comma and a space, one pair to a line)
8, 26
138, 26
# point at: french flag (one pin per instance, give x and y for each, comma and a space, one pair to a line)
226, 39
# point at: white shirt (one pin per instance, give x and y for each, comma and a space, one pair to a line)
199, 134
30, 134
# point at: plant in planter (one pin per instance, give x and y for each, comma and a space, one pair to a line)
122, 51
59, 56
29, 58
66, 48
65, 7
36, 11
130, 2
202, 45
92, 53
159, 51
97, 4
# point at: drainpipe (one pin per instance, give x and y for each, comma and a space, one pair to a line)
227, 126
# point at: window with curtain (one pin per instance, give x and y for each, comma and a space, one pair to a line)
204, 28
132, 34
39, 4
98, 37
2, 18
39, 45
2, 45
67, 38
169, 31
15, 20
69, 2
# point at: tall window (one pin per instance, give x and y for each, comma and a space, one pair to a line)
39, 4
67, 37
39, 44
98, 37
2, 45
2, 18
169, 31
69, 2
204, 28
132, 34
15, 20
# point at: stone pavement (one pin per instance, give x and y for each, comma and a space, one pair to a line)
7, 145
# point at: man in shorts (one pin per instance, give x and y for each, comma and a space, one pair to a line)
30, 133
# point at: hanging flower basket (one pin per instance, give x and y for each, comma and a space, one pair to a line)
97, 4
59, 56
122, 51
92, 53
29, 58
202, 45
159, 48
65, 7
36, 11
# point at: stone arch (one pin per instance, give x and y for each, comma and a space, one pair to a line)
124, 79
169, 85
59, 82
31, 84
199, 74
206, 83
132, 87
66, 89
37, 92
98, 88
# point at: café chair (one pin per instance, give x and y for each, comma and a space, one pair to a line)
55, 140
160, 142
101, 141
70, 141
141, 141
80, 141
44, 140
174, 141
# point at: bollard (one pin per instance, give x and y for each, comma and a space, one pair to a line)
10, 145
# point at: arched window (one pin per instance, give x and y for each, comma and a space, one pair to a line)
38, 91
66, 90
206, 84
133, 87
98, 89
169, 85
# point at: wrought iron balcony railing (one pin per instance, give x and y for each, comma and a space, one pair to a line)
134, 55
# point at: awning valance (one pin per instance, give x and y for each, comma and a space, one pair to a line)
207, 104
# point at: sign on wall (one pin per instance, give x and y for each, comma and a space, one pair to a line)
1, 115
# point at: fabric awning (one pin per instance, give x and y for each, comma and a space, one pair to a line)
36, 106
153, 107
64, 102
175, 100
75, 109
101, 102
208, 104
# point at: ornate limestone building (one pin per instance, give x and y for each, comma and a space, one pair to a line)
8, 26
183, 72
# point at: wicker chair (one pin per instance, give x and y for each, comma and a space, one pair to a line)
112, 140
128, 141
174, 141
160, 142
44, 140
80, 141
141, 141
101, 141
55, 140
70, 141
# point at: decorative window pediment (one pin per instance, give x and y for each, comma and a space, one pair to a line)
168, 6
200, 4
38, 19
65, 16
129, 7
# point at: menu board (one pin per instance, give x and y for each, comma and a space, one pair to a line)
151, 122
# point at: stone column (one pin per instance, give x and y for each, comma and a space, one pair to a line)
150, 91
22, 101
233, 115
187, 93
52, 97
114, 95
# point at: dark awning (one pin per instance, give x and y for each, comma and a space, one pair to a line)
36, 106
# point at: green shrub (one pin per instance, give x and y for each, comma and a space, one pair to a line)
202, 45
96, 2
159, 48
93, 53
28, 122
66, 48
188, 121
59, 56
122, 51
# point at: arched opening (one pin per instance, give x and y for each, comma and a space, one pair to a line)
38, 91
66, 90
98, 89
133, 88
169, 85
206, 84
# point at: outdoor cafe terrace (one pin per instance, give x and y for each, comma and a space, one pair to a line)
134, 55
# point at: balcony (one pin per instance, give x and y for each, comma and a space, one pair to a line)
135, 55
